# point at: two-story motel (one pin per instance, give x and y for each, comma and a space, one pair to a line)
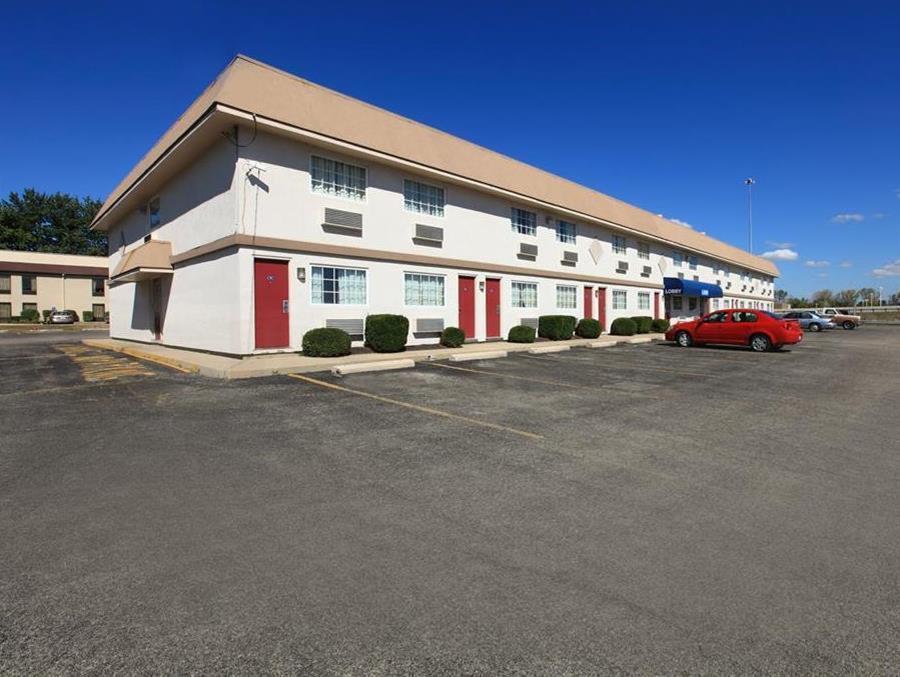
273, 206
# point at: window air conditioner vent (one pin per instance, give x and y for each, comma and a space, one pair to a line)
429, 325
429, 233
337, 218
570, 258
352, 327
528, 251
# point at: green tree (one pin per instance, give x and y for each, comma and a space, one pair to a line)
57, 223
780, 295
798, 302
868, 296
823, 297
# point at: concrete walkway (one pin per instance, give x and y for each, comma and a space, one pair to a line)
219, 366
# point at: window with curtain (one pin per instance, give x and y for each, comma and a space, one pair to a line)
524, 295
565, 231
619, 244
643, 300
565, 296
98, 286
676, 303
677, 259
620, 300
424, 290
643, 250
340, 286
5, 311
338, 178
5, 283
524, 222
692, 260
423, 198
29, 284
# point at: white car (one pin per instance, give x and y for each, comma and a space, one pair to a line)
63, 317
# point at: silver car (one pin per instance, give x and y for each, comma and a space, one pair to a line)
63, 317
809, 321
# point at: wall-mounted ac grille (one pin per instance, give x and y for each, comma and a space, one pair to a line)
528, 251
570, 258
622, 267
529, 322
429, 233
728, 286
429, 325
646, 271
352, 327
338, 218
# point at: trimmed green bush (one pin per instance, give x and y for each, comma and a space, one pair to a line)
387, 333
623, 326
46, 315
521, 334
588, 328
29, 315
659, 326
87, 316
642, 323
453, 337
556, 327
326, 342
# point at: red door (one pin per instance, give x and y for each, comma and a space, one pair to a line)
467, 305
270, 283
589, 302
656, 305
601, 307
492, 308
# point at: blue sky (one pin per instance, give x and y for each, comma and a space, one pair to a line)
665, 105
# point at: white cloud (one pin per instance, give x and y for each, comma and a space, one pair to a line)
822, 275
817, 264
781, 255
891, 269
845, 264
678, 221
878, 216
779, 245
847, 217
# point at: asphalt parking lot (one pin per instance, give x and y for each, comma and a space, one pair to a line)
639, 509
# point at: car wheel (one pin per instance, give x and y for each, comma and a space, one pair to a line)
683, 339
815, 327
760, 343
848, 325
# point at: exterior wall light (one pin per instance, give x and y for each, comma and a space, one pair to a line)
301, 274
481, 285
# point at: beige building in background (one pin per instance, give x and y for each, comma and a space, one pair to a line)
47, 281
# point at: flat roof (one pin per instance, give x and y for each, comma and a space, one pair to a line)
257, 88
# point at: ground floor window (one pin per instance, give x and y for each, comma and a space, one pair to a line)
342, 286
29, 306
692, 303
676, 302
620, 300
715, 304
643, 300
424, 290
524, 294
99, 311
565, 296
5, 311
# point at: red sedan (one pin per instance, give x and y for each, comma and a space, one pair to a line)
758, 329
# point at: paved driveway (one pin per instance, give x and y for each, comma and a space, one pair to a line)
639, 509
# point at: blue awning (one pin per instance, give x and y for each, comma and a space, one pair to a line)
675, 286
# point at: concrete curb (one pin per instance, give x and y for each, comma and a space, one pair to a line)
541, 350
486, 355
362, 367
604, 344
139, 354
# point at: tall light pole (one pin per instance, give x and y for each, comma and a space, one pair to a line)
749, 181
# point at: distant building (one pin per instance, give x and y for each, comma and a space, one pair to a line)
274, 206
46, 281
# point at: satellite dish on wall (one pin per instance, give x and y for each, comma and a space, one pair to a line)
596, 250
662, 265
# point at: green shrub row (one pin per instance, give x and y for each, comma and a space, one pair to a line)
659, 326
521, 334
556, 327
623, 326
588, 328
642, 323
326, 342
452, 337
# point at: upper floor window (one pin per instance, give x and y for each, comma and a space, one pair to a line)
424, 290
566, 296
5, 283
619, 244
98, 286
565, 231
338, 178
692, 262
29, 284
677, 259
620, 300
524, 295
423, 198
153, 212
643, 249
524, 222
341, 286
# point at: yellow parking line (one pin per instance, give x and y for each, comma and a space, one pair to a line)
417, 407
561, 384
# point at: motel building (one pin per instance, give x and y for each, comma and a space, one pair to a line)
274, 206
39, 281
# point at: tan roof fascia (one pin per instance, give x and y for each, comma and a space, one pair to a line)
250, 86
